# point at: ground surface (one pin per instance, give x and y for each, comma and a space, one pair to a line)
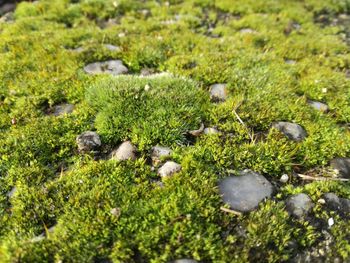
64, 200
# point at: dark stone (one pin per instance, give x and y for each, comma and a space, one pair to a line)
299, 205
332, 201
335, 203
244, 193
342, 165
292, 130
88, 141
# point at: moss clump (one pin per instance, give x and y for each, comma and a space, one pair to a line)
149, 110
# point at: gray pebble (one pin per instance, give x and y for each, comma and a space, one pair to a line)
342, 165
318, 105
169, 168
292, 130
112, 47
126, 151
336, 203
299, 205
284, 178
146, 72
332, 201
161, 151
113, 67
247, 31
218, 92
244, 193
62, 109
290, 61
88, 141
12, 192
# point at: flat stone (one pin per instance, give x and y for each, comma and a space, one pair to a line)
290, 61
218, 92
318, 105
113, 67
292, 130
88, 141
160, 151
299, 205
116, 67
62, 109
345, 205
342, 165
126, 151
146, 72
332, 201
210, 130
336, 203
7, 7
169, 168
244, 193
94, 68
247, 31
112, 47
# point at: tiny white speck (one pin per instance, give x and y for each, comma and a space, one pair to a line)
330, 222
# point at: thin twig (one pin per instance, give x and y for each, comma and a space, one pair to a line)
321, 178
245, 126
230, 211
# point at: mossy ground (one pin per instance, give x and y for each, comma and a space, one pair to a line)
199, 42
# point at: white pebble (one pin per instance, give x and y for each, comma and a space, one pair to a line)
284, 178
330, 222
321, 201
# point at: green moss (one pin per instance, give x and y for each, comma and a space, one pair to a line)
159, 113
245, 44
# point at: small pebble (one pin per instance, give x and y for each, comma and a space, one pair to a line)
247, 31
62, 109
147, 87
284, 178
115, 211
299, 205
330, 222
112, 47
244, 193
321, 201
318, 105
88, 141
126, 151
292, 130
169, 168
160, 151
218, 92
